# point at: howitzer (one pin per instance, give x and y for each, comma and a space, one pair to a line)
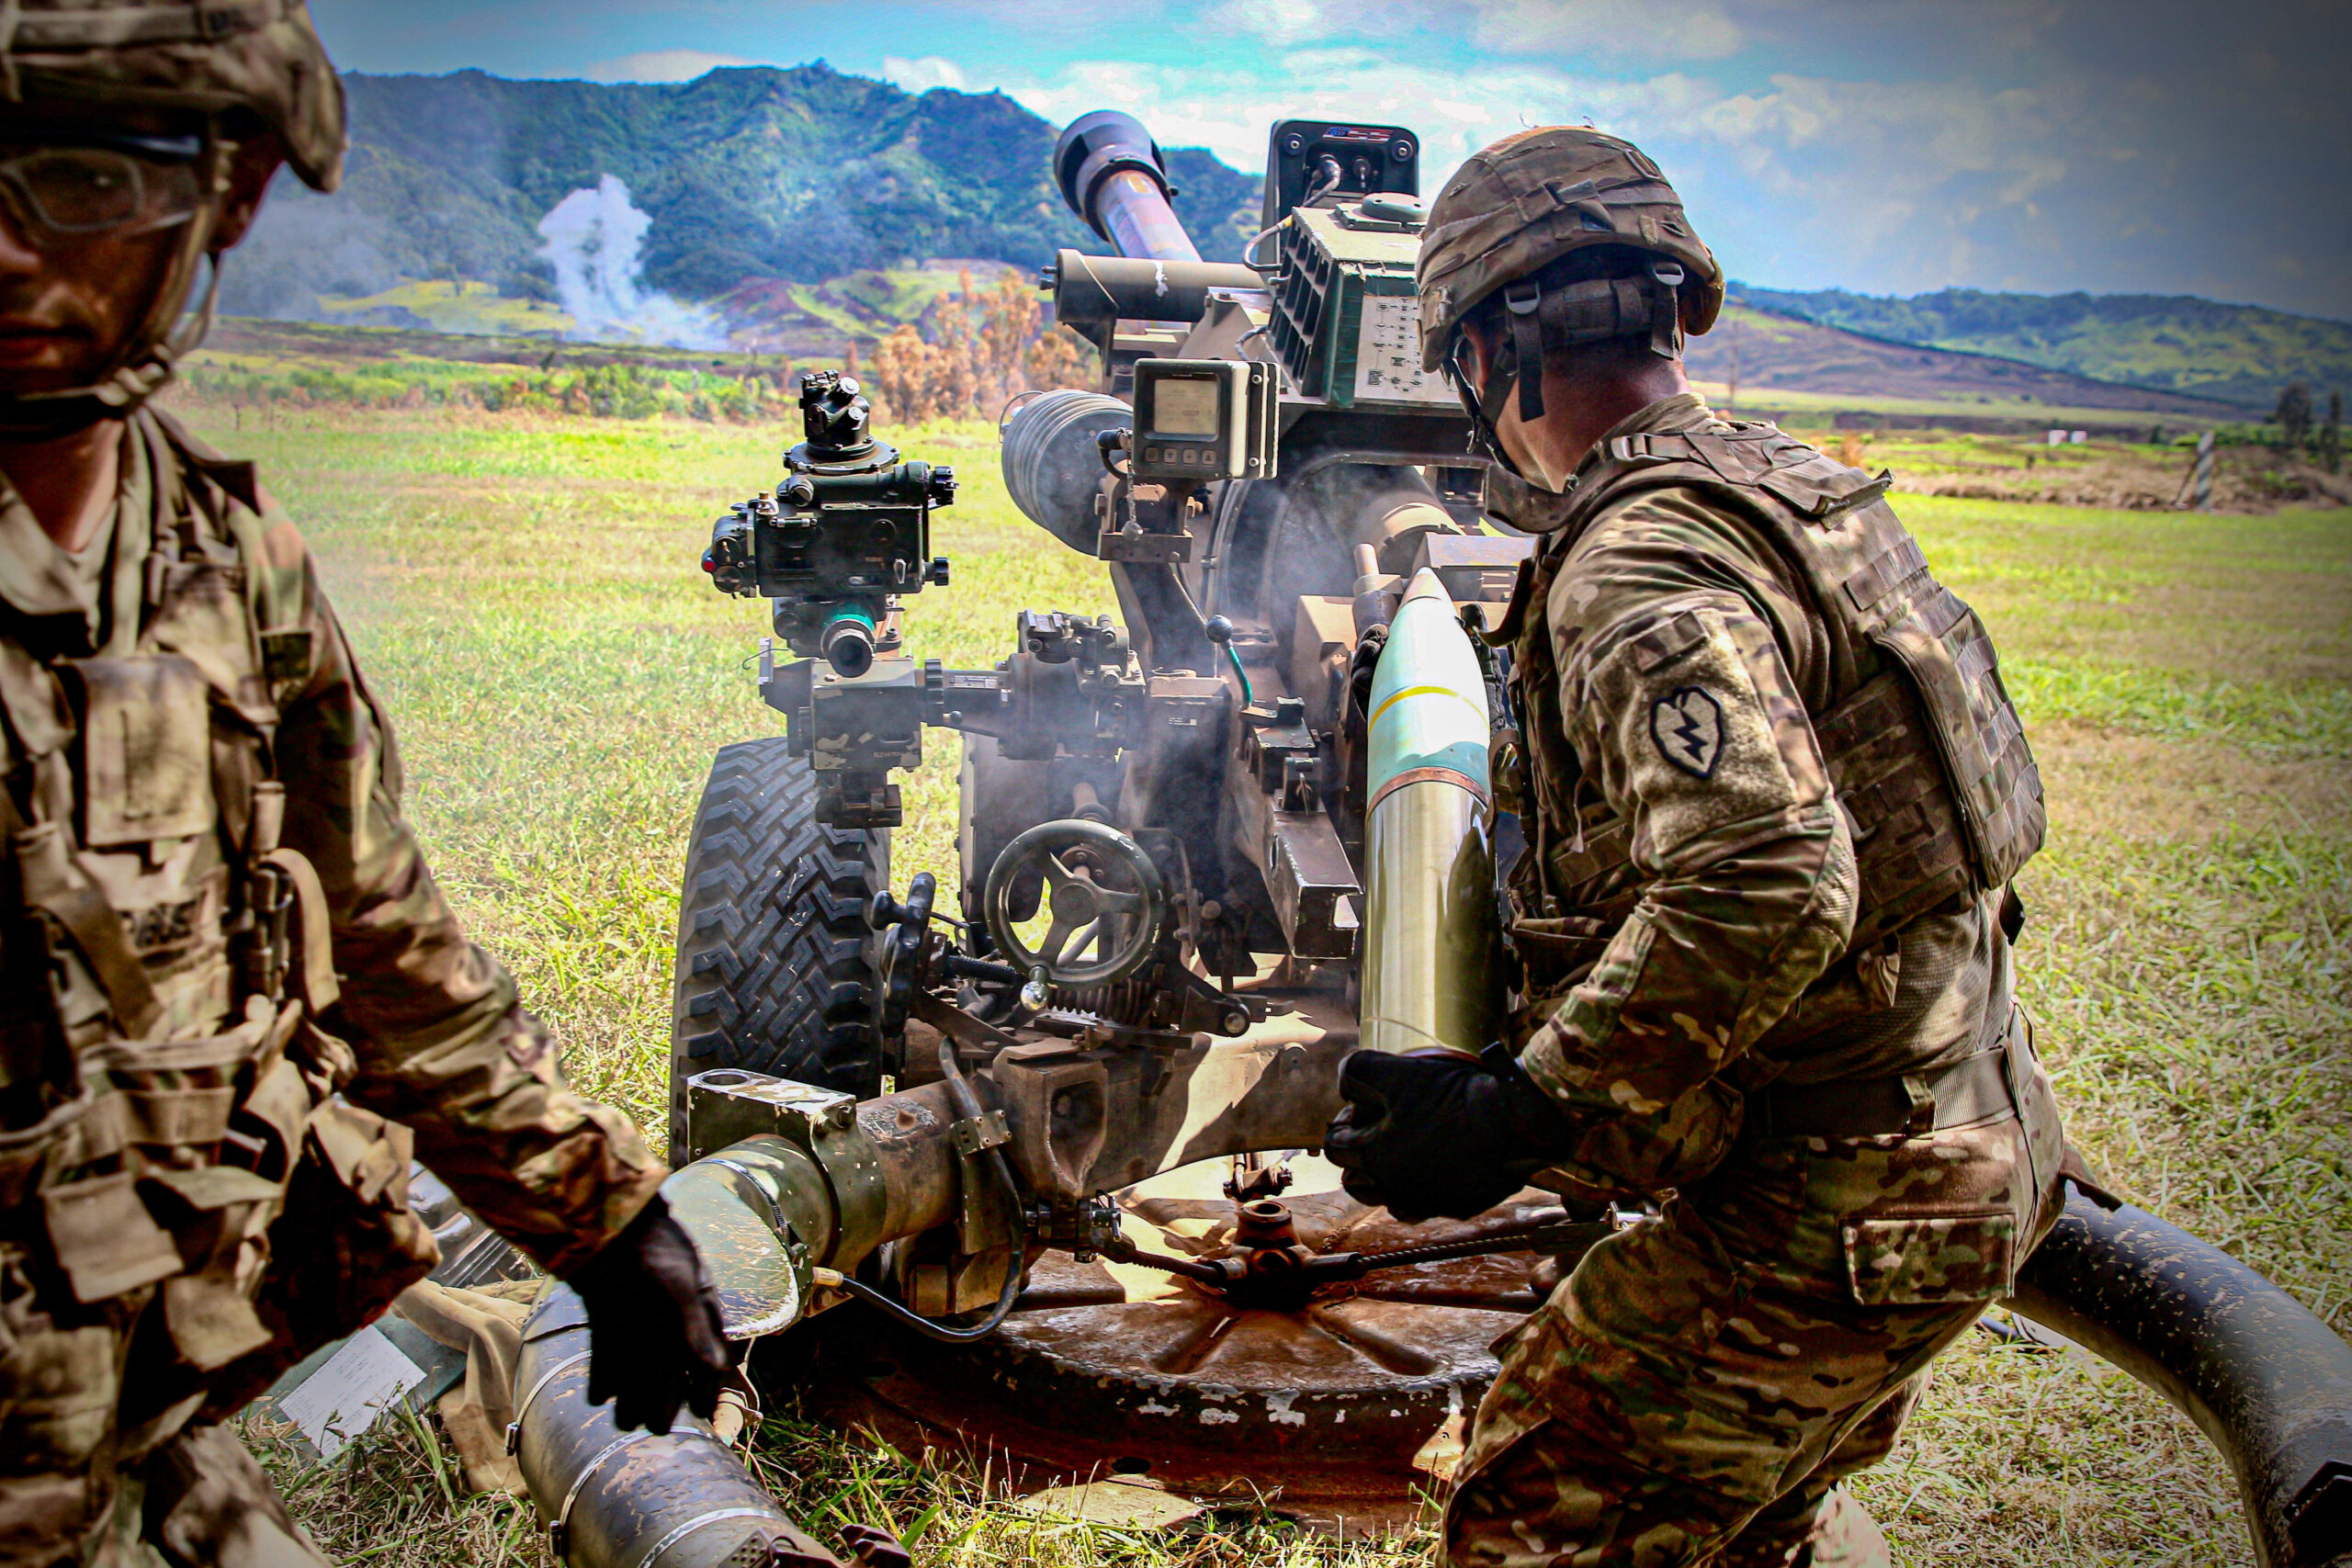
1045, 1132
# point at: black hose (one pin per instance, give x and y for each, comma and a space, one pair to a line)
2268, 1383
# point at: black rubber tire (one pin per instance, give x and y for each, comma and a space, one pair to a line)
776, 965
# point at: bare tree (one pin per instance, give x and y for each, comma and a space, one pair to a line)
2295, 416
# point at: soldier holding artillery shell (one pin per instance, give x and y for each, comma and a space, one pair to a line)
1774, 793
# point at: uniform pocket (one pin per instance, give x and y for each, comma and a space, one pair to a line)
211, 1321
146, 749
104, 1237
1931, 1260
58, 1389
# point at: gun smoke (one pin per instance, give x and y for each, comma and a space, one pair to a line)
595, 241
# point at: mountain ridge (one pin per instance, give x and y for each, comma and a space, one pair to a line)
2242, 354
801, 173
758, 181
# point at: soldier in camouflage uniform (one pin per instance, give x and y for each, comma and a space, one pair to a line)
234, 997
1773, 795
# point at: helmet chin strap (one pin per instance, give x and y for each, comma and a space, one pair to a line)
1595, 310
150, 355
1482, 402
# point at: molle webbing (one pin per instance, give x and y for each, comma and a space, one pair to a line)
1997, 786
1907, 842
1925, 749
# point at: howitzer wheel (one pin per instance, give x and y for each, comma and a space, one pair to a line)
775, 962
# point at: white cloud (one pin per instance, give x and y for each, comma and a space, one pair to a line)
1608, 29
922, 75
1277, 21
663, 65
1888, 145
1584, 32
1890, 184
1229, 112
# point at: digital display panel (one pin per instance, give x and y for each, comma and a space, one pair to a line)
1184, 407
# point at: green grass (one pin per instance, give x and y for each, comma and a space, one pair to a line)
525, 596
2234, 629
1789, 405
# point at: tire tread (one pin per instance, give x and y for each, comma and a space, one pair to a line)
774, 970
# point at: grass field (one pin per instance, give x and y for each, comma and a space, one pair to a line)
525, 595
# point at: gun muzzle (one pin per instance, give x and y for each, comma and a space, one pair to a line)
1429, 869
1112, 175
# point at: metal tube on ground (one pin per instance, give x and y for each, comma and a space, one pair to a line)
615, 1499
2268, 1382
1429, 934
763, 1212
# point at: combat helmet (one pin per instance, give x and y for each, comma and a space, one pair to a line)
1521, 205
228, 65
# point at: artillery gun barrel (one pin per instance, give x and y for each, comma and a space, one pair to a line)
1141, 222
1112, 175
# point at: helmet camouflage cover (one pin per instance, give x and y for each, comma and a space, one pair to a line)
1539, 195
222, 60
206, 57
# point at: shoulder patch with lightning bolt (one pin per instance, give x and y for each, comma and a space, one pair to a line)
1688, 729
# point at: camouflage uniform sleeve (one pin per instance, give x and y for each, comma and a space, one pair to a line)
1683, 712
443, 1044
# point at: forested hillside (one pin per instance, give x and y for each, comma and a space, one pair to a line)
799, 174
776, 208
2241, 354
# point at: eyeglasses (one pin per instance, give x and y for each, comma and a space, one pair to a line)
119, 184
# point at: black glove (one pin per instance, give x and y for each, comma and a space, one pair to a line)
1437, 1133
655, 1339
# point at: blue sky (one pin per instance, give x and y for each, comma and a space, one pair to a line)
1887, 146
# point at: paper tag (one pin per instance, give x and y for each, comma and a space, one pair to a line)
346, 1395
1389, 354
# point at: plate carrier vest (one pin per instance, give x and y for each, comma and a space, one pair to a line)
163, 1076
1923, 745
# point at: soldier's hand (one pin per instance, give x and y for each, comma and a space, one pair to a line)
655, 1340
1437, 1133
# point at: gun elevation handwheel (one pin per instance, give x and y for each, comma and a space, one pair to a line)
1102, 895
